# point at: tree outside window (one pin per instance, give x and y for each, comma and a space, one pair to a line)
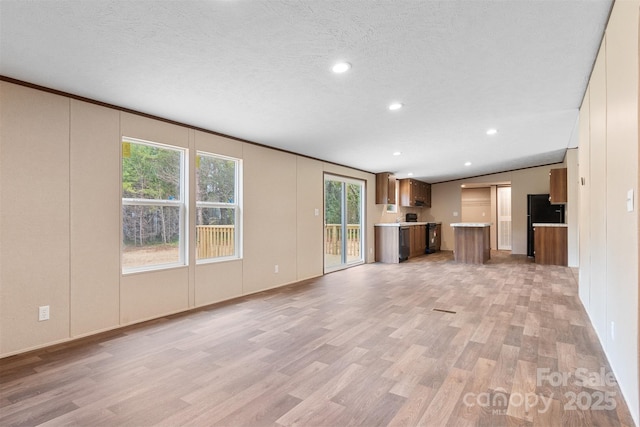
152, 205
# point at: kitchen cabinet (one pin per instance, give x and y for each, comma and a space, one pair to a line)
387, 242
471, 242
414, 193
385, 189
418, 240
558, 186
550, 244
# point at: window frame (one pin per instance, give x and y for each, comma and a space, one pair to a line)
181, 204
393, 208
236, 206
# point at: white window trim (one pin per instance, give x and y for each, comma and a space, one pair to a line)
237, 206
181, 203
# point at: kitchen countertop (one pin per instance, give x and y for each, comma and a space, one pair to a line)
403, 224
471, 224
547, 224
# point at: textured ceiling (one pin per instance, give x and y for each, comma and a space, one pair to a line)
261, 71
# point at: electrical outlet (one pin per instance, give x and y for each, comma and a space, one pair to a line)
43, 313
316, 212
275, 268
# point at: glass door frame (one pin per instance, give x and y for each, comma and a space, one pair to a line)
344, 262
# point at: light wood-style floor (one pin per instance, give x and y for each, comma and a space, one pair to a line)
428, 342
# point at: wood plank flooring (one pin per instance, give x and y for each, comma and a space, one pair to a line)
429, 342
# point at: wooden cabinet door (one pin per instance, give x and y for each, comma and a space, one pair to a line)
405, 192
385, 188
414, 241
558, 185
418, 240
412, 191
391, 191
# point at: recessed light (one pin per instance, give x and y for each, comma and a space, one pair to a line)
341, 67
492, 131
395, 106
410, 174
397, 153
463, 186
467, 164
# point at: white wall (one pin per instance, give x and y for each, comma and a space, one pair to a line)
572, 206
608, 162
60, 213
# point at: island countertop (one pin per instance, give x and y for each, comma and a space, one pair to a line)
471, 224
550, 224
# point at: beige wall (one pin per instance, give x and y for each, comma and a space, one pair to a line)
95, 295
608, 162
475, 204
34, 217
60, 221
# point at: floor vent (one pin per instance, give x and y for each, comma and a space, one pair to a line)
444, 311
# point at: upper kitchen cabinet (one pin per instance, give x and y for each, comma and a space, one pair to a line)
385, 189
558, 186
414, 193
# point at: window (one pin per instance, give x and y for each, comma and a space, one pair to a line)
394, 208
153, 205
218, 215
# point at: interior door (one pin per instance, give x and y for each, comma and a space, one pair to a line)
504, 218
343, 217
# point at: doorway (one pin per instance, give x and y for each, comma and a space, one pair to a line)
343, 219
489, 202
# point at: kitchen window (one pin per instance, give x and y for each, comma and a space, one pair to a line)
393, 208
153, 205
218, 207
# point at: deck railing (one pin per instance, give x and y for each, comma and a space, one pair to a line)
333, 239
219, 240
215, 241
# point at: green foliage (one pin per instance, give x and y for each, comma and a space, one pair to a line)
333, 191
151, 173
215, 183
215, 180
333, 202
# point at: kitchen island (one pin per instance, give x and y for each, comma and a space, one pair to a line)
471, 242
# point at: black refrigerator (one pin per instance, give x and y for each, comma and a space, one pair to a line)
539, 209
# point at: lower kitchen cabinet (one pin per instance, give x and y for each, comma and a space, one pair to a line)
418, 241
550, 244
388, 241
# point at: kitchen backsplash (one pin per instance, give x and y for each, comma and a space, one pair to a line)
424, 214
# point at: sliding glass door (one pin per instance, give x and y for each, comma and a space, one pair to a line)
343, 218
